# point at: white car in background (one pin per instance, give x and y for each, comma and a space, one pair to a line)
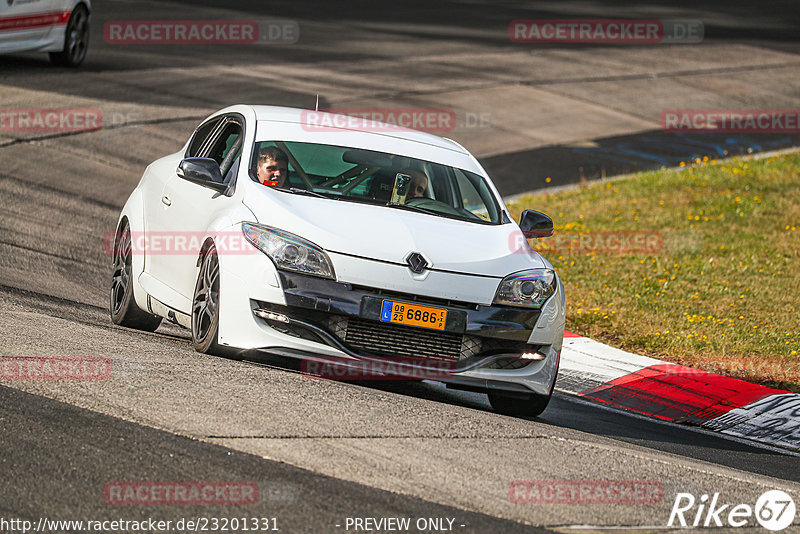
60, 27
341, 264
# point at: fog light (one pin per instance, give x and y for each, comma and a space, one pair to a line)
271, 316
532, 356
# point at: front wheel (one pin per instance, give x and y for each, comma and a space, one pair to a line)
205, 308
122, 305
76, 40
519, 407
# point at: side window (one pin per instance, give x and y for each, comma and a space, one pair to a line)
226, 142
232, 171
200, 136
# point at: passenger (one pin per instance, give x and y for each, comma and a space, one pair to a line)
419, 184
273, 167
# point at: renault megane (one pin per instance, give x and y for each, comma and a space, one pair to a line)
349, 244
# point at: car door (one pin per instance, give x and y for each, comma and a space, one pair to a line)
192, 209
157, 215
24, 23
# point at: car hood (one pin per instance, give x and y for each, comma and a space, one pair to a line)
391, 235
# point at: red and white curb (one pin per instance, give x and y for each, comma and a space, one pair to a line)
671, 392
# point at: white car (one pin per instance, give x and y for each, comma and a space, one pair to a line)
60, 27
343, 263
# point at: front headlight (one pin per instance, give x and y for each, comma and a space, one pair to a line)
529, 289
289, 251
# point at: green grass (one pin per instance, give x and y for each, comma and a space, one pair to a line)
723, 292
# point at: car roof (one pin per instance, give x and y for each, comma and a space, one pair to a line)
302, 116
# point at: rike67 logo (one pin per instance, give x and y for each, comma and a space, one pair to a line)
774, 510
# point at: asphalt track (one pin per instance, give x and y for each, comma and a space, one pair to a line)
323, 451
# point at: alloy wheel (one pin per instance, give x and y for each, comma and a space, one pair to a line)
204, 307
78, 36
121, 277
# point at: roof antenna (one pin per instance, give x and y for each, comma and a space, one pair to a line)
316, 106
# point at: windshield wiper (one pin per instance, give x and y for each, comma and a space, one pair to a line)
414, 208
298, 191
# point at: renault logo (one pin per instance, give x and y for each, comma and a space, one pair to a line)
416, 262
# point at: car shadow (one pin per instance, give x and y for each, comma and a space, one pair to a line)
570, 412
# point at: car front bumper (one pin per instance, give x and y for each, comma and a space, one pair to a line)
481, 347
251, 288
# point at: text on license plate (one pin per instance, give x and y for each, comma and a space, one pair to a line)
413, 314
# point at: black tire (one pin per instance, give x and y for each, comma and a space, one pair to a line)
122, 304
519, 407
76, 40
205, 308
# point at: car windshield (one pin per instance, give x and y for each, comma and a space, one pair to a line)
366, 176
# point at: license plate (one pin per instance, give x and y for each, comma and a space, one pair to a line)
413, 314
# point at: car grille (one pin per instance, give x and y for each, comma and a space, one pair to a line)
406, 341
394, 340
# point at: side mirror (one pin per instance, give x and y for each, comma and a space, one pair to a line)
202, 171
535, 224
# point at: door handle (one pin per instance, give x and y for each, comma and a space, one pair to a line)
166, 201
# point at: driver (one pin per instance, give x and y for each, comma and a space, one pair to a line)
418, 186
273, 167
